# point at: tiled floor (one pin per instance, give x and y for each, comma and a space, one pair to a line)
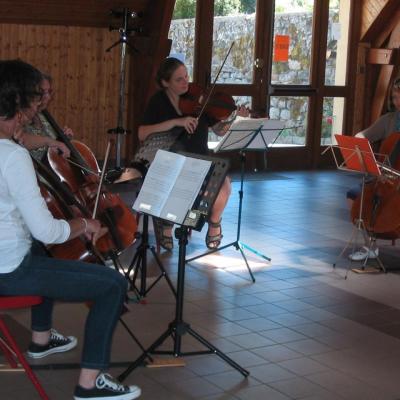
301, 330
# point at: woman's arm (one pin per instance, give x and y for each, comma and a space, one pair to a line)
31, 205
380, 129
32, 142
189, 123
220, 128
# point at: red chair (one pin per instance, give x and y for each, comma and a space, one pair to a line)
9, 346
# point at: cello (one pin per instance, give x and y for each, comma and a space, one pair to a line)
81, 176
382, 195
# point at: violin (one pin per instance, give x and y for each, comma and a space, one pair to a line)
216, 105
196, 101
82, 178
382, 196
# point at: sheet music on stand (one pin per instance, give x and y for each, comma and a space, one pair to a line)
357, 155
181, 188
250, 134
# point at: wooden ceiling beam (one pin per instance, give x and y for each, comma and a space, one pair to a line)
94, 13
385, 77
380, 30
383, 56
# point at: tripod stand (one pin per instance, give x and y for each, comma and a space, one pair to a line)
237, 244
139, 263
252, 134
358, 157
124, 32
178, 327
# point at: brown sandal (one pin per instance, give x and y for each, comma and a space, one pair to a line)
214, 241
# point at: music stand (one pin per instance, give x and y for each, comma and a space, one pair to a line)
194, 218
357, 157
246, 135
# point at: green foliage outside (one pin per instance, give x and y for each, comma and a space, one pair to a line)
187, 8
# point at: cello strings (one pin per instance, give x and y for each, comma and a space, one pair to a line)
90, 171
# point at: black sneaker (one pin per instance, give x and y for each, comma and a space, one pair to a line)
107, 388
57, 344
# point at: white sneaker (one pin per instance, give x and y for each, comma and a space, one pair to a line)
363, 253
107, 388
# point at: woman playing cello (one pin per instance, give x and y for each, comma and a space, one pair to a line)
163, 113
381, 129
25, 268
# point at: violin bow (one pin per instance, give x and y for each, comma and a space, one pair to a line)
215, 82
101, 179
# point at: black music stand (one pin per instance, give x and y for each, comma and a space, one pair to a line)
357, 157
244, 139
195, 219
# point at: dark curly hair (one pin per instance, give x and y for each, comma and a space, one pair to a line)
19, 86
167, 68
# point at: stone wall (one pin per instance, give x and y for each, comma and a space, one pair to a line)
239, 66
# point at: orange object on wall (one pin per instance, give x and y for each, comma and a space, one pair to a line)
281, 52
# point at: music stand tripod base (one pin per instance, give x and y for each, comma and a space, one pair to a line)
237, 244
178, 327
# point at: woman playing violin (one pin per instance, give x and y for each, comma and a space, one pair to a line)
163, 113
25, 268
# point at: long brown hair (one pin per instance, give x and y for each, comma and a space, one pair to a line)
167, 68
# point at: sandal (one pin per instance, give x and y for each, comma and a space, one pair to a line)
214, 241
164, 240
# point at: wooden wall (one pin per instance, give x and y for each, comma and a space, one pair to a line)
68, 41
86, 77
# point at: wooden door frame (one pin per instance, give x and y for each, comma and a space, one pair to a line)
308, 156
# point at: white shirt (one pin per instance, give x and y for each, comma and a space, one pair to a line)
23, 211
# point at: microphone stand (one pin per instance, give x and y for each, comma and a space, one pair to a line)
124, 32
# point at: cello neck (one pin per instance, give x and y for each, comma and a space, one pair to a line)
65, 139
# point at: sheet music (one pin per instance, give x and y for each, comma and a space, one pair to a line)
250, 133
185, 189
171, 186
269, 132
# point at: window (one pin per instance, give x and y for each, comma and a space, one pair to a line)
337, 42
292, 37
294, 111
182, 33
234, 21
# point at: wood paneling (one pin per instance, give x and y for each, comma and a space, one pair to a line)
86, 78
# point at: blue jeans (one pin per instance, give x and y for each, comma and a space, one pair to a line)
71, 281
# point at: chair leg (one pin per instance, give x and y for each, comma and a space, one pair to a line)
13, 345
8, 353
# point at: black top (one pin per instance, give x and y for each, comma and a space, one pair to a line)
160, 109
